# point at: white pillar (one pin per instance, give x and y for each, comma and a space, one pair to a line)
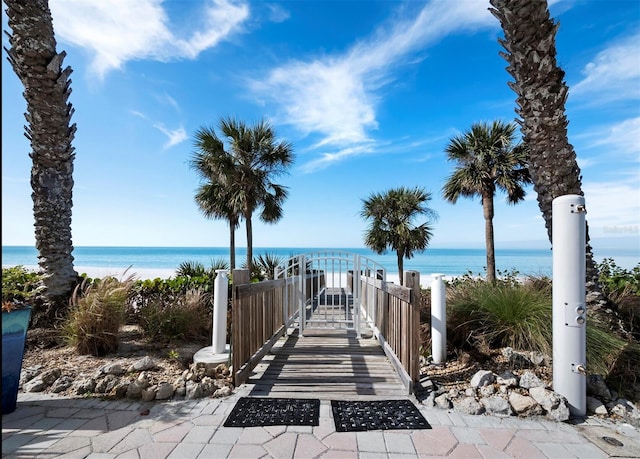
220, 300
569, 301
438, 319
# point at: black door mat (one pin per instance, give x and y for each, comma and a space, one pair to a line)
377, 415
256, 412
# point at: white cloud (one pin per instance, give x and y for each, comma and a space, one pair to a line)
613, 204
118, 31
614, 73
175, 136
619, 140
336, 96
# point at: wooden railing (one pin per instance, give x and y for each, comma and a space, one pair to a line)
394, 312
260, 316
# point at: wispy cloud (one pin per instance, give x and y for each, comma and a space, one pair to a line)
175, 136
115, 32
613, 204
622, 139
336, 96
613, 74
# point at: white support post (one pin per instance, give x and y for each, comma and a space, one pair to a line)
220, 300
357, 287
438, 319
569, 301
302, 272
219, 350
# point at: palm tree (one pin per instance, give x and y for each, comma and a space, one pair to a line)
541, 95
487, 160
244, 172
392, 216
35, 61
213, 196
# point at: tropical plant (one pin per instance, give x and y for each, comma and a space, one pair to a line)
487, 159
213, 197
97, 311
191, 269
184, 317
485, 316
264, 266
244, 172
392, 216
19, 284
530, 43
47, 88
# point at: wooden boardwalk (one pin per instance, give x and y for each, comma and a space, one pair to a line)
326, 364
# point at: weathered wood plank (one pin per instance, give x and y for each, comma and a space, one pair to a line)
326, 364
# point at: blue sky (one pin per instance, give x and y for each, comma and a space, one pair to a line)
368, 92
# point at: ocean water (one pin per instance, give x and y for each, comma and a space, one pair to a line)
450, 262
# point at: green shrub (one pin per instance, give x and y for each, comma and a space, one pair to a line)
177, 318
519, 315
19, 284
96, 314
507, 313
616, 279
165, 291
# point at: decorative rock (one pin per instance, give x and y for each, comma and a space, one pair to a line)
135, 388
27, 374
149, 393
223, 392
595, 406
523, 404
624, 408
121, 388
507, 379
470, 392
482, 378
193, 390
105, 384
529, 380
597, 387
144, 364
554, 404
487, 391
165, 391
62, 383
50, 376
35, 385
496, 405
112, 369
516, 359
84, 385
468, 405
443, 401
539, 359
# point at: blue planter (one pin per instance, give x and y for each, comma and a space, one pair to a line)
14, 334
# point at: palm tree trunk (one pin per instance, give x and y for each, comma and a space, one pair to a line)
232, 245
541, 95
400, 266
487, 208
249, 228
35, 61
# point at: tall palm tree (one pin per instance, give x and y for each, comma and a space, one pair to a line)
35, 61
392, 216
213, 197
487, 160
541, 95
246, 170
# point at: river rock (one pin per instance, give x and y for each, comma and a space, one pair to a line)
482, 378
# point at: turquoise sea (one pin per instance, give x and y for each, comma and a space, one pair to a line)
450, 262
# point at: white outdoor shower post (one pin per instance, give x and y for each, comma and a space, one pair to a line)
569, 301
220, 300
438, 319
219, 350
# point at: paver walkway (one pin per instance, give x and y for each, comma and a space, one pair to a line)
45, 426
